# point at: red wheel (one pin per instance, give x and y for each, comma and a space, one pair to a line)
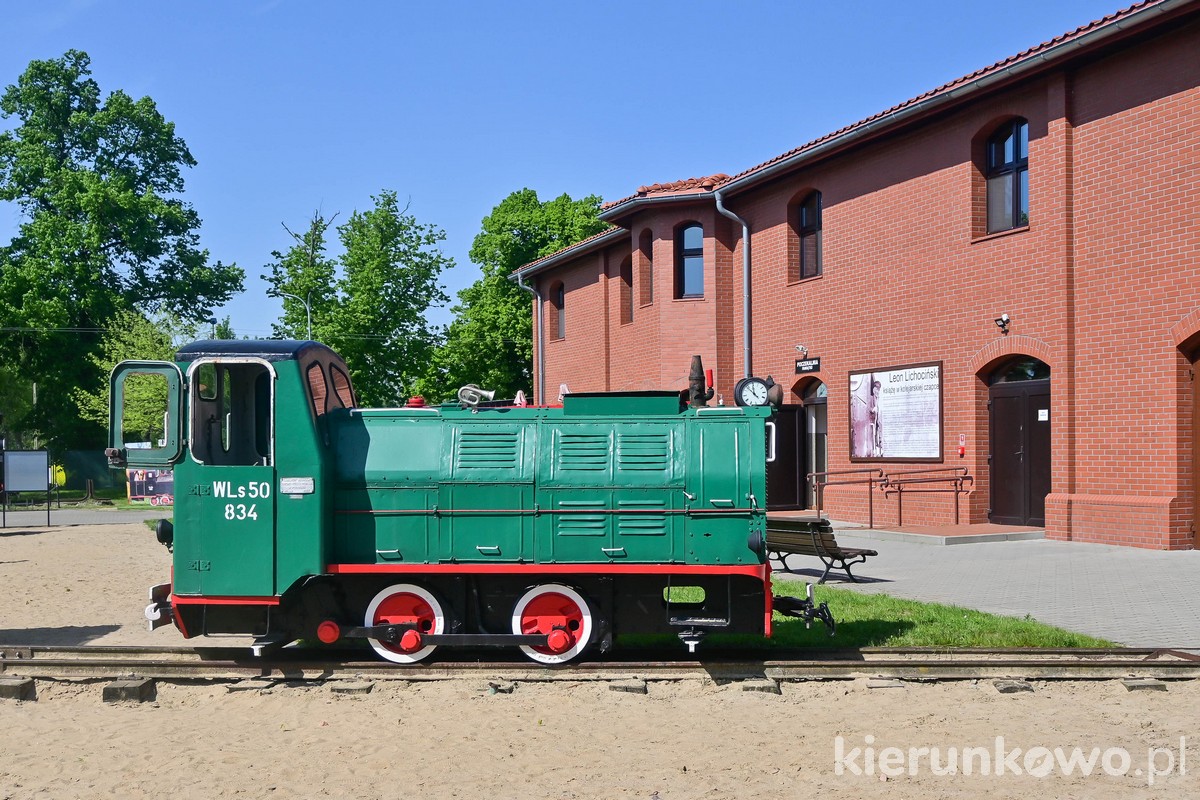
405, 604
562, 614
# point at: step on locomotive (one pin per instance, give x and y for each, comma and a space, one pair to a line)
299, 515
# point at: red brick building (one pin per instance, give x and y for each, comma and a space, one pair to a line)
1002, 274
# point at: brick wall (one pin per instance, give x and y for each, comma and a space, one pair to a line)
1103, 285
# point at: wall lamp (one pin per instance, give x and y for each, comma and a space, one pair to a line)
1002, 322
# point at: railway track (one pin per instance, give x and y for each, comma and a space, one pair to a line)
288, 664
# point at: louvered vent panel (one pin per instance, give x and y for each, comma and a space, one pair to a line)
641, 518
644, 451
587, 452
488, 450
577, 521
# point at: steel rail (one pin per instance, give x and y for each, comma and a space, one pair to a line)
232, 664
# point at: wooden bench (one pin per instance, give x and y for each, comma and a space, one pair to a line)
811, 536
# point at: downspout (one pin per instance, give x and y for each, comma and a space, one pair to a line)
747, 355
540, 394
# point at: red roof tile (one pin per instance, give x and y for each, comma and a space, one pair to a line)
685, 186
581, 244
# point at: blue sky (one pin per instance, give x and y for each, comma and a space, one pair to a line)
293, 106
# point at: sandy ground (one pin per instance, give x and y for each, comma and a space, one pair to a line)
544, 740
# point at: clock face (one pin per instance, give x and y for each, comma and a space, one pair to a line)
753, 392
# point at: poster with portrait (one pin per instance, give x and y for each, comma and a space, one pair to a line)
155, 486
896, 413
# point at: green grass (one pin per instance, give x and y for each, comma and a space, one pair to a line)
103, 498
876, 620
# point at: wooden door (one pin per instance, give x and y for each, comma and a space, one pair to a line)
1020, 456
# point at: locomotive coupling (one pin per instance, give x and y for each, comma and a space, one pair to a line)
806, 608
160, 612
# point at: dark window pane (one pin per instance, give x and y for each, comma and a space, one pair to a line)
693, 238
1023, 197
560, 309
693, 276
1008, 177
810, 213
810, 255
999, 203
1025, 369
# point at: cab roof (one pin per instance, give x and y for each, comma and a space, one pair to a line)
266, 349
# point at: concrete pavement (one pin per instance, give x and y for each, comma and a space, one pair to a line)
1139, 598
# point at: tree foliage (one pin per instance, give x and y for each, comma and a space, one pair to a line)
103, 229
369, 303
490, 341
305, 270
132, 335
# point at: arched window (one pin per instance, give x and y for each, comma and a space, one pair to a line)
558, 315
646, 267
317, 387
808, 227
689, 261
626, 288
1020, 369
341, 386
1007, 172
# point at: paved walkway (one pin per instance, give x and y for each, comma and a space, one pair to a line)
1139, 598
78, 516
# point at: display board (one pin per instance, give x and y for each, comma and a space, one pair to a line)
896, 413
26, 470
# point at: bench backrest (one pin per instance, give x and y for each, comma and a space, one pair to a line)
799, 540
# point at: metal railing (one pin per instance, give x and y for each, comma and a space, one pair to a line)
820, 480
897, 483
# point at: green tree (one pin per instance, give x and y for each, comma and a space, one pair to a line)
223, 330
369, 304
132, 335
305, 271
103, 230
490, 341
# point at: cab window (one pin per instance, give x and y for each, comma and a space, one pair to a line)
231, 413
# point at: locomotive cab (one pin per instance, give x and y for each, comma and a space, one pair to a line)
222, 417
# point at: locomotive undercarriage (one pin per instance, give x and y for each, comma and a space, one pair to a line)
552, 618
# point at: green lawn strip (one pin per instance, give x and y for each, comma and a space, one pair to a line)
877, 620
102, 499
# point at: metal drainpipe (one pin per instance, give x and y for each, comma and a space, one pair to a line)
747, 355
540, 395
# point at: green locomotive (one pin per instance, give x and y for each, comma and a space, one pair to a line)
299, 515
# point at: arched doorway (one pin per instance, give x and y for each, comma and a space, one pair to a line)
1019, 423
800, 431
